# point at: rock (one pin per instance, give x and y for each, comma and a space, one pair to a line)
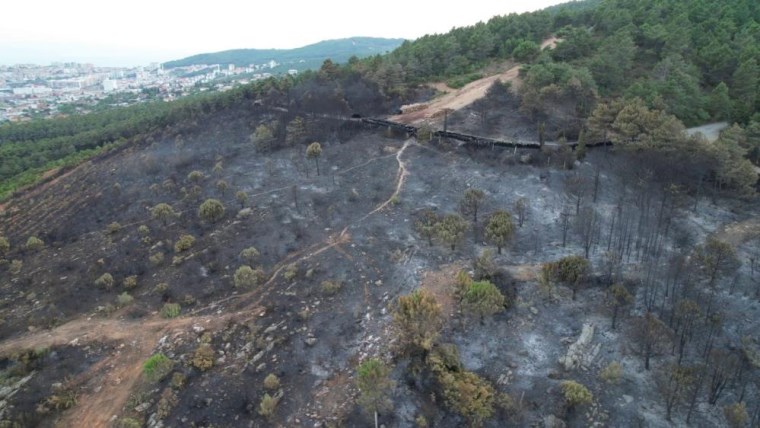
580, 353
552, 421
142, 407
311, 341
533, 310
257, 357
628, 399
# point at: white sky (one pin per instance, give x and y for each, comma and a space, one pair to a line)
135, 32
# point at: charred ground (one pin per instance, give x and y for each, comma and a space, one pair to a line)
336, 250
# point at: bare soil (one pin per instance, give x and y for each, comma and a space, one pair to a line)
456, 99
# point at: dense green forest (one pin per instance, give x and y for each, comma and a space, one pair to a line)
303, 58
698, 57
694, 61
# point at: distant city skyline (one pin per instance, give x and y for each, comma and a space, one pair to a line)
140, 31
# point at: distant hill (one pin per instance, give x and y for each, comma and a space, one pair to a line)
303, 58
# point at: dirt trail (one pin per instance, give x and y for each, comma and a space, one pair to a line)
456, 99
106, 386
400, 179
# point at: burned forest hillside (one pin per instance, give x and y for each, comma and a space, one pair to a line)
285, 254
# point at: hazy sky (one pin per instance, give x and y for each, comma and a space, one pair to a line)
136, 32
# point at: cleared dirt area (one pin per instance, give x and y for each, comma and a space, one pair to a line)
456, 99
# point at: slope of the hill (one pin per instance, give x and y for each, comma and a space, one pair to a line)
303, 58
181, 333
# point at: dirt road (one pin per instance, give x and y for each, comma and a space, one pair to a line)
456, 99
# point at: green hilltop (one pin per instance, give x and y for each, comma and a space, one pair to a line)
303, 58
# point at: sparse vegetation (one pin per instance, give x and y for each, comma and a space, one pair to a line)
471, 202
170, 310
499, 229
211, 210
113, 228
15, 267
268, 405
451, 230
184, 243
272, 382
130, 282
104, 281
203, 358
330, 288
374, 383
482, 299
124, 299
611, 373
242, 198
575, 394
418, 320
314, 151
157, 367
247, 277
195, 176
163, 212
736, 415
249, 255
426, 225
5, 245
34, 244
156, 258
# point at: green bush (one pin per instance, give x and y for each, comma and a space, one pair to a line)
195, 176
129, 423
211, 210
331, 287
459, 82
271, 382
170, 310
246, 277
5, 245
184, 243
178, 380
156, 258
268, 405
130, 282
249, 254
736, 415
34, 243
482, 298
15, 267
575, 394
124, 299
104, 281
203, 359
113, 228
157, 367
612, 372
